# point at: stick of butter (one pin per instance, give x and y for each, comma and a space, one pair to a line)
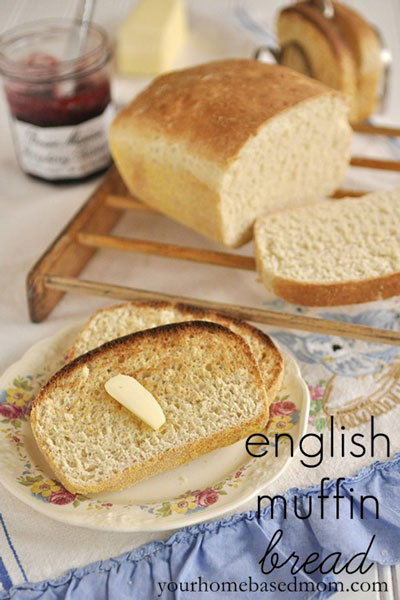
150, 38
131, 394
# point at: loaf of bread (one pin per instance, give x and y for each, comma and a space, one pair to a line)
203, 376
123, 319
343, 52
217, 145
340, 252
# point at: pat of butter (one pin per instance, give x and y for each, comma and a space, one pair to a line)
151, 37
131, 394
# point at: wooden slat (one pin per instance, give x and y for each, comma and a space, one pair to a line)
247, 313
127, 203
375, 163
67, 257
223, 259
376, 130
348, 193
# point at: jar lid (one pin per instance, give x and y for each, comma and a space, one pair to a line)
46, 50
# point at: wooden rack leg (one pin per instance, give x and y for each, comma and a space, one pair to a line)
342, 193
375, 163
223, 259
248, 313
65, 255
369, 129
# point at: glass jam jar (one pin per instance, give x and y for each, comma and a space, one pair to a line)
59, 98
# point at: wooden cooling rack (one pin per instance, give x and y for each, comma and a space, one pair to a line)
56, 271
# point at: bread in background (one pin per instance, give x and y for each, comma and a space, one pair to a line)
217, 145
343, 52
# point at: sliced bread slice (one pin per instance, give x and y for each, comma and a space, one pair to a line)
204, 377
123, 319
341, 252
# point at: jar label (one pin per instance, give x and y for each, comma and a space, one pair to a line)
65, 152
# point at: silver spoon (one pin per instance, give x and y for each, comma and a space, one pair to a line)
76, 42
85, 15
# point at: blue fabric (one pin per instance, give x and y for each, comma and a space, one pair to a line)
230, 550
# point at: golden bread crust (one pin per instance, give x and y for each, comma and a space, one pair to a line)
338, 294
201, 144
216, 107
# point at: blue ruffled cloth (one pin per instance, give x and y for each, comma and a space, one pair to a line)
204, 557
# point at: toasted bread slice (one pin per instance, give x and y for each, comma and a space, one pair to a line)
123, 319
204, 377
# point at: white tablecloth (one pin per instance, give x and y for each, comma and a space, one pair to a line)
32, 214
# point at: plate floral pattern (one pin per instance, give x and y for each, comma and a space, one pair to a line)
284, 415
24, 474
15, 406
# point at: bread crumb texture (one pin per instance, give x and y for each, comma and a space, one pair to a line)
204, 378
121, 320
346, 240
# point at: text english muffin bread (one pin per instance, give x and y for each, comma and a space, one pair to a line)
334, 253
204, 378
217, 145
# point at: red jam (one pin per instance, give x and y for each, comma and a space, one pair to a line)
60, 104
48, 106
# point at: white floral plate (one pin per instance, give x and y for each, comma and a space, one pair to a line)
201, 490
